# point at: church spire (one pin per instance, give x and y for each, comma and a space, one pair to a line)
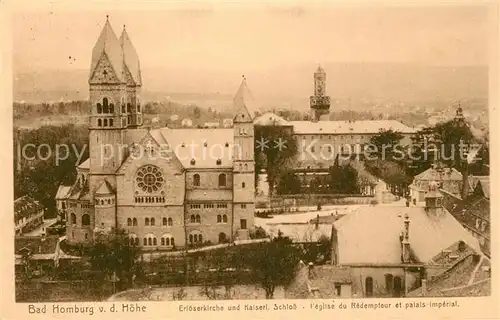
107, 45
243, 102
130, 57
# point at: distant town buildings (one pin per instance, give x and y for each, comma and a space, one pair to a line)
28, 215
187, 123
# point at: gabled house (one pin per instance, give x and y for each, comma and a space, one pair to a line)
391, 250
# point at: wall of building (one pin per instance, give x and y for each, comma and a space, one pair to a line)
157, 230
378, 274
78, 233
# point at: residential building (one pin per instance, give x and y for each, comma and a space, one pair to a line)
391, 249
28, 215
320, 282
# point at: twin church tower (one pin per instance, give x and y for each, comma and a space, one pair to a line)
202, 192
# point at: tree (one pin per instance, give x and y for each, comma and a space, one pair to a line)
273, 263
343, 179
274, 147
115, 255
288, 182
384, 144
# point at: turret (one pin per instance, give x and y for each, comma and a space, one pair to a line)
319, 102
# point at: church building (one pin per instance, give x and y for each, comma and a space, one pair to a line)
166, 187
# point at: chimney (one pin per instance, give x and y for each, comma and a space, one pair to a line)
424, 287
405, 242
311, 266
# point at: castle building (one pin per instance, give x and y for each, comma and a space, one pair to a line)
320, 140
166, 187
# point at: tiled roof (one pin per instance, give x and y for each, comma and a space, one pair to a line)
269, 119
299, 232
26, 206
204, 146
318, 282
370, 235
484, 184
85, 164
62, 192
349, 127
131, 59
36, 245
459, 280
108, 44
445, 174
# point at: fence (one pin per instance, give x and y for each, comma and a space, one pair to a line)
310, 200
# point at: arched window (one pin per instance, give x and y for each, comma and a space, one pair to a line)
164, 221
150, 241
243, 185
222, 238
85, 220
73, 219
170, 222
129, 107
369, 286
152, 221
222, 180
224, 218
111, 108
138, 106
195, 237
246, 167
105, 124
146, 221
136, 241
123, 107
134, 222
219, 218
193, 218
110, 122
198, 218
167, 240
145, 241
105, 106
99, 122
99, 108
129, 222
154, 242
196, 180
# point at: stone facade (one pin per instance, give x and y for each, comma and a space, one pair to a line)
163, 202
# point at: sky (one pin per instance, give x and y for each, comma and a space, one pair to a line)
227, 38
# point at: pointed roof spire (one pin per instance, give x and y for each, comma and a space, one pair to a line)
107, 44
320, 69
244, 99
130, 57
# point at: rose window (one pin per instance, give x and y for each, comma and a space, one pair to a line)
149, 179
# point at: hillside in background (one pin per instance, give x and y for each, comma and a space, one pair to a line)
350, 85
